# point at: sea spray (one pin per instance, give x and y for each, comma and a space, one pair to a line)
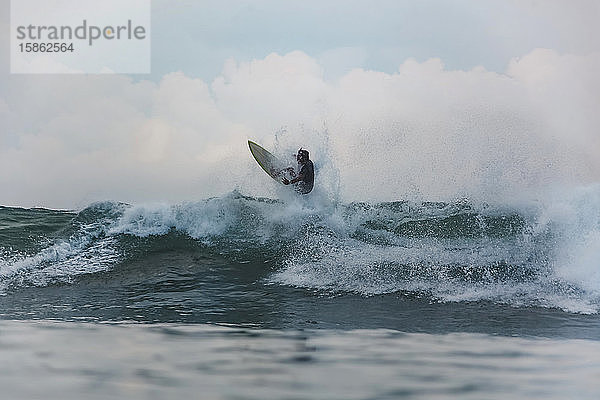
535, 255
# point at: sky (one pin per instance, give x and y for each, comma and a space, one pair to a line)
425, 99
378, 35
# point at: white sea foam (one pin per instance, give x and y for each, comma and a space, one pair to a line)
578, 248
83, 253
554, 262
550, 259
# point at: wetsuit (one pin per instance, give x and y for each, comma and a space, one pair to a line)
308, 178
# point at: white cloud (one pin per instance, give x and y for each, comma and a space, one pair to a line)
276, 91
564, 89
422, 131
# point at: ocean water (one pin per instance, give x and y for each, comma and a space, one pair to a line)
238, 297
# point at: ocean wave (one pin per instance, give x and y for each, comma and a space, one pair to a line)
543, 255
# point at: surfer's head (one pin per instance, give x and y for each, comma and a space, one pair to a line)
302, 155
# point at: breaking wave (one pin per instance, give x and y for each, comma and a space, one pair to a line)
541, 255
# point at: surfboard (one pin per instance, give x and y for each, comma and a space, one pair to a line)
272, 165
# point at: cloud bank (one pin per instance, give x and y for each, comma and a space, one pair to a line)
421, 132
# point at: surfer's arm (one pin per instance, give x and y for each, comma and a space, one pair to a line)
296, 179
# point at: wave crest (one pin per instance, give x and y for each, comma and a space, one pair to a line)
529, 256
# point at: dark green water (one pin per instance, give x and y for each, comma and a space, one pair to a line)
254, 298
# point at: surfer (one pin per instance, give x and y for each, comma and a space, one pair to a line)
305, 179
